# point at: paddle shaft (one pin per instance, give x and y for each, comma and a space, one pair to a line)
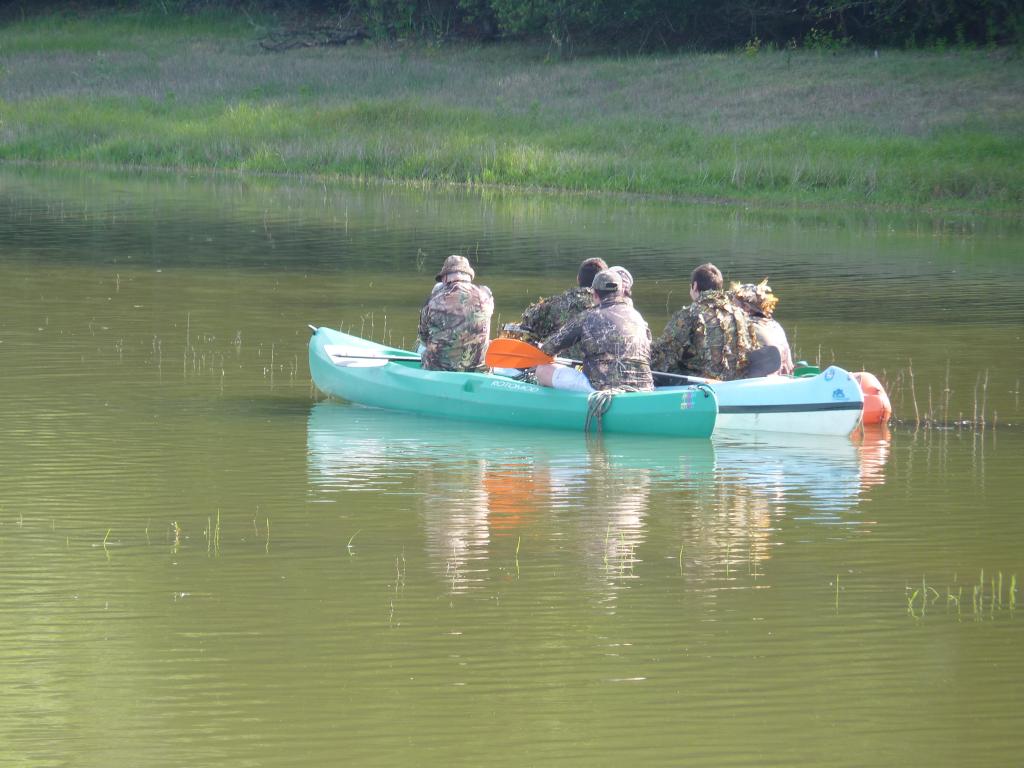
513, 353
681, 377
407, 358
379, 357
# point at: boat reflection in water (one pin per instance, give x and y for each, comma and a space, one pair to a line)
476, 489
826, 473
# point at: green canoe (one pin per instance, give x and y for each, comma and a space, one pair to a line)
362, 371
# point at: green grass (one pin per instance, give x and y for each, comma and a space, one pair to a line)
904, 129
103, 32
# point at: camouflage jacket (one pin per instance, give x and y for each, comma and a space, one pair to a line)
455, 326
710, 337
547, 316
616, 345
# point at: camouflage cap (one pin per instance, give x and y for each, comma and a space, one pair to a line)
627, 279
757, 296
607, 281
453, 264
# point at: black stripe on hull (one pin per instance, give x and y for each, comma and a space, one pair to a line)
790, 408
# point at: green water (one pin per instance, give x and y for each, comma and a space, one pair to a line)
201, 564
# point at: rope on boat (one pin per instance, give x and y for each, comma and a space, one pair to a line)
598, 404
703, 388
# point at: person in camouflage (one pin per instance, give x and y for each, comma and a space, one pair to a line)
543, 318
455, 322
711, 337
614, 338
759, 302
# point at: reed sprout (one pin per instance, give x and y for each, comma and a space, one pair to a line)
910, 603
990, 597
188, 344
213, 535
607, 536
399, 572
984, 399
946, 393
913, 394
955, 599
938, 411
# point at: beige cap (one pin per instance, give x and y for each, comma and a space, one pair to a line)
455, 263
607, 281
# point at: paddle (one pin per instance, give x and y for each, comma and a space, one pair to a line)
357, 353
339, 352
513, 353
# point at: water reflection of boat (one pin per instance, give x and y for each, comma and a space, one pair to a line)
822, 472
357, 448
472, 485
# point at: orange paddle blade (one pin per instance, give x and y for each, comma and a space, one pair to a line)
513, 353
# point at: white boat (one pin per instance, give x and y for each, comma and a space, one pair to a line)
830, 403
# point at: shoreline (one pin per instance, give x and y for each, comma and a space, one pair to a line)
761, 205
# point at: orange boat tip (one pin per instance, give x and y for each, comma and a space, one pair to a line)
877, 408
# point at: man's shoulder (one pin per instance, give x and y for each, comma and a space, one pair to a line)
627, 310
684, 314
455, 295
575, 297
559, 308
619, 313
714, 298
712, 303
454, 289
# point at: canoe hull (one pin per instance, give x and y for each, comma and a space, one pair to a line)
403, 386
830, 403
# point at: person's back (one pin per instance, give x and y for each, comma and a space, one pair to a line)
711, 337
547, 316
759, 303
455, 322
614, 339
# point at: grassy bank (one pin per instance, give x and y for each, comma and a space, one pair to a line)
941, 130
